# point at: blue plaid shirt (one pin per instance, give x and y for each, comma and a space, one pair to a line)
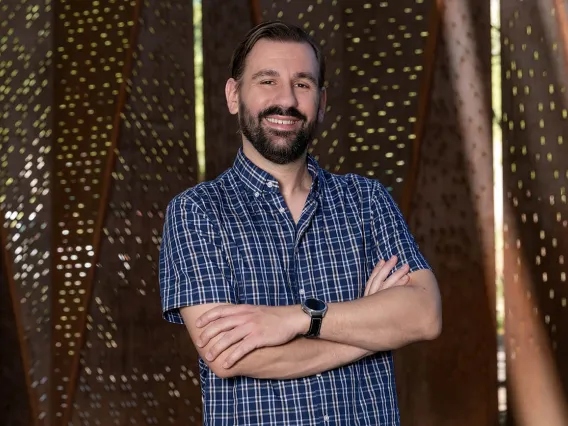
233, 240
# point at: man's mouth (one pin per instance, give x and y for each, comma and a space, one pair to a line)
279, 121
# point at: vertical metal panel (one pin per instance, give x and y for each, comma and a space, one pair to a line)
92, 39
535, 125
424, 97
375, 63
136, 368
25, 177
452, 381
225, 23
14, 393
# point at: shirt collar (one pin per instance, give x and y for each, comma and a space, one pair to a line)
260, 181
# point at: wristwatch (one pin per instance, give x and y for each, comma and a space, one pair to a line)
316, 309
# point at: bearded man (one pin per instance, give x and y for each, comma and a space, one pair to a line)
295, 284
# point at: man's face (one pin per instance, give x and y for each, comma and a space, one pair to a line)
279, 101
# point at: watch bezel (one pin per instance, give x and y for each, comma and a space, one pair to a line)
314, 312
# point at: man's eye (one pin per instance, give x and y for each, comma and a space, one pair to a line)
267, 82
303, 85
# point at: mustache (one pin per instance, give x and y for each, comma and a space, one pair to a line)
276, 110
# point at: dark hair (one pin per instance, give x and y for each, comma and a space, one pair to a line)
275, 31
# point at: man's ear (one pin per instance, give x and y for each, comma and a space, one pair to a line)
232, 95
322, 104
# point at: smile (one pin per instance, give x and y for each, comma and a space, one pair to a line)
276, 121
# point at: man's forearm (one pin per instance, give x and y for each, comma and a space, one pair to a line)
300, 357
385, 320
388, 319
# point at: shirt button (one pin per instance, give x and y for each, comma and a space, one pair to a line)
318, 375
302, 291
326, 418
281, 210
269, 184
256, 194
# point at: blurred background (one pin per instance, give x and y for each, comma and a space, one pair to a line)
109, 108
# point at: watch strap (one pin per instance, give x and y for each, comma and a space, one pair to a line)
315, 327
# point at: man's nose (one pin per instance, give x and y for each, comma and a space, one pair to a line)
286, 97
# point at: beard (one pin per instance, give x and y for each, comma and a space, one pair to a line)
264, 140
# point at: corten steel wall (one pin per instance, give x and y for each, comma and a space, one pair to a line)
535, 157
91, 44
452, 381
26, 108
88, 169
97, 135
14, 401
135, 368
224, 24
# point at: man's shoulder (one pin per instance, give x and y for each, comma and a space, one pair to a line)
204, 193
351, 183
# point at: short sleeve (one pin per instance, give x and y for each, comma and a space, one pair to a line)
193, 269
391, 234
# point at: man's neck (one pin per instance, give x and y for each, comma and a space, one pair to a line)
292, 178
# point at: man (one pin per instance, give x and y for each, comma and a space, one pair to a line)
275, 267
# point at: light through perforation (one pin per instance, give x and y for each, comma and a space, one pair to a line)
89, 62
535, 120
375, 60
120, 379
25, 178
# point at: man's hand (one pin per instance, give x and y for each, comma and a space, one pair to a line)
380, 280
249, 327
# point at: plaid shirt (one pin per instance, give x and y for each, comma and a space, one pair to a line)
233, 240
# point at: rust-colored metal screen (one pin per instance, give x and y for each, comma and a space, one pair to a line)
452, 381
137, 369
535, 153
15, 406
98, 133
92, 42
222, 21
26, 30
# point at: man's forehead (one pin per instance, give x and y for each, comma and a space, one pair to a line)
270, 53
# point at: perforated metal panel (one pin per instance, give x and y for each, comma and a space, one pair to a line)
92, 40
222, 139
135, 368
452, 381
375, 61
55, 158
15, 407
25, 177
535, 130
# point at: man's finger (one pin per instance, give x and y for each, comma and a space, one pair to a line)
244, 348
386, 270
396, 276
371, 280
219, 312
218, 326
376, 269
228, 340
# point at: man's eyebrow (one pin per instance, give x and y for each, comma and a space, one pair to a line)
265, 73
273, 73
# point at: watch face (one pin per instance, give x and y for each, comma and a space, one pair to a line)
315, 304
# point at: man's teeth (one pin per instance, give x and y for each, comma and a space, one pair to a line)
275, 121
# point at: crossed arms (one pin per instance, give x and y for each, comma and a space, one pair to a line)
262, 341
